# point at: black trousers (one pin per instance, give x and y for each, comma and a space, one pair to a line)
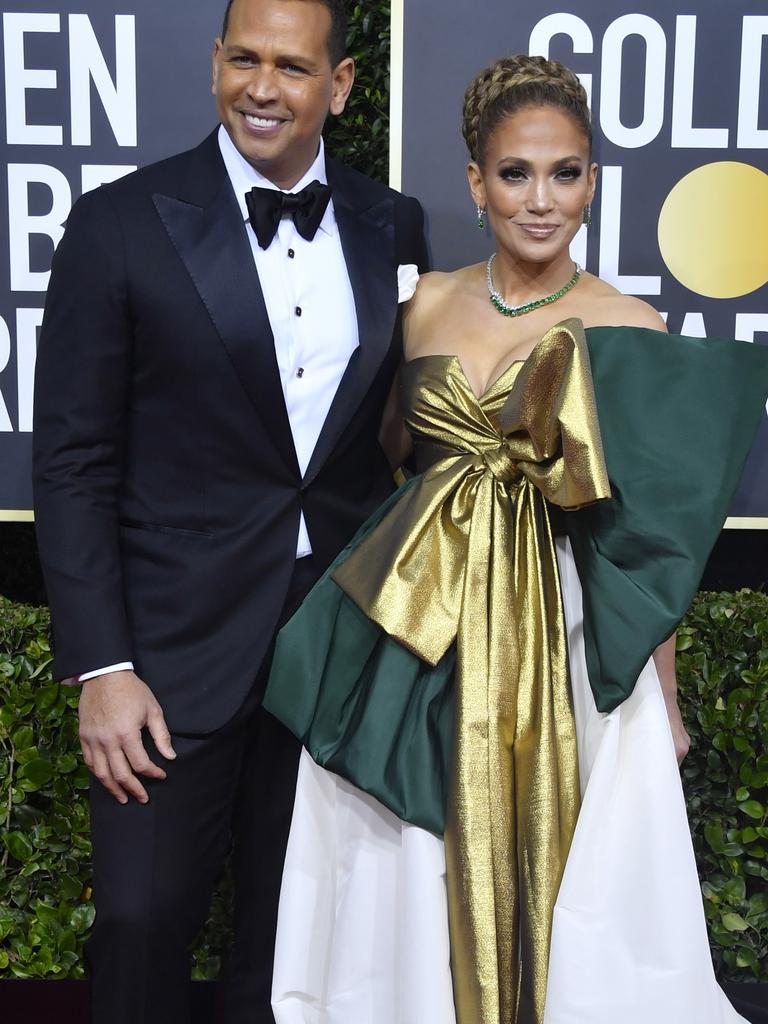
155, 865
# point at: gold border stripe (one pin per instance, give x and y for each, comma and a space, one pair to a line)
733, 523
396, 72
746, 523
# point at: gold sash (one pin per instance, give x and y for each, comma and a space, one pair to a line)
467, 556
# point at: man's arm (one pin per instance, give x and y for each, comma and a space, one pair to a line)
81, 392
664, 660
411, 241
81, 388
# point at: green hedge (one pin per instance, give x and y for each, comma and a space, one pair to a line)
361, 136
46, 907
722, 666
45, 897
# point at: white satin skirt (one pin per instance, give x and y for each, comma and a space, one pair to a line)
363, 926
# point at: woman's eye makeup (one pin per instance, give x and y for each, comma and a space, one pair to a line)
515, 173
512, 173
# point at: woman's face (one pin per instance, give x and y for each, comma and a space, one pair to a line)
535, 181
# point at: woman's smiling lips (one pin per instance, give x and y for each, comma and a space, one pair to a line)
539, 230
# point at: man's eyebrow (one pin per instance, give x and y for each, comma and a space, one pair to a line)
237, 49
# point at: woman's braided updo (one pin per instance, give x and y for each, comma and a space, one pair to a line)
514, 83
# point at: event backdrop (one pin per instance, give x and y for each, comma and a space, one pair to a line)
93, 88
679, 94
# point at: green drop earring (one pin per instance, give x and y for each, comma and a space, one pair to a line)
480, 217
588, 215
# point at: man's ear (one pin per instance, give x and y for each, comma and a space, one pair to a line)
215, 65
343, 80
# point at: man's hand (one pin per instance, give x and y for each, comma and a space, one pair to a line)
114, 708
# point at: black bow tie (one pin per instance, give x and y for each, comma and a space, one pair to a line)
266, 207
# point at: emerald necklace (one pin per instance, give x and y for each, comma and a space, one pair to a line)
507, 310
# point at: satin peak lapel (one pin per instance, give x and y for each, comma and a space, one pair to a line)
212, 242
368, 243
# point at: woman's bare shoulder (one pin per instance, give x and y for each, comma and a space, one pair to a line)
435, 295
608, 307
440, 285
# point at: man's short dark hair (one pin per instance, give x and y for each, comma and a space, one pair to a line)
337, 39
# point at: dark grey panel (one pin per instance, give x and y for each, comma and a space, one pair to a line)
447, 43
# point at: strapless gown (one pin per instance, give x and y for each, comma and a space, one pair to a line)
489, 824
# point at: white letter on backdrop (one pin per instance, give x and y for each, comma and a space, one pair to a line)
22, 224
568, 25
610, 80
754, 30
18, 79
87, 62
684, 135
5, 354
610, 240
27, 323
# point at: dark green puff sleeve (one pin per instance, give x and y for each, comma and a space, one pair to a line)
677, 417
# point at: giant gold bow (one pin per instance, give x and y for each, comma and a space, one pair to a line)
467, 556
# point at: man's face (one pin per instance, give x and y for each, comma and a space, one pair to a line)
274, 84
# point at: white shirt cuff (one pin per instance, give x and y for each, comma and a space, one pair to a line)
407, 279
124, 666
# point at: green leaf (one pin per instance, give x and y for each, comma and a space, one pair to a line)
758, 904
67, 943
735, 889
753, 808
18, 846
71, 888
709, 892
23, 737
746, 957
36, 773
734, 922
66, 763
83, 917
46, 696
713, 833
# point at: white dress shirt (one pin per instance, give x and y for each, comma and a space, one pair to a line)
311, 310
310, 305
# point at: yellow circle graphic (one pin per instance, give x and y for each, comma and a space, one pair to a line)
713, 230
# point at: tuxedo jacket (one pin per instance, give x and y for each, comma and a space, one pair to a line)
167, 490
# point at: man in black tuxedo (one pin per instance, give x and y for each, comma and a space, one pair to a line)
220, 338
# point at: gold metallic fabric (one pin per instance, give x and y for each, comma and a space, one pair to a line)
467, 557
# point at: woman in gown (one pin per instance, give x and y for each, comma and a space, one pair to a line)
489, 824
